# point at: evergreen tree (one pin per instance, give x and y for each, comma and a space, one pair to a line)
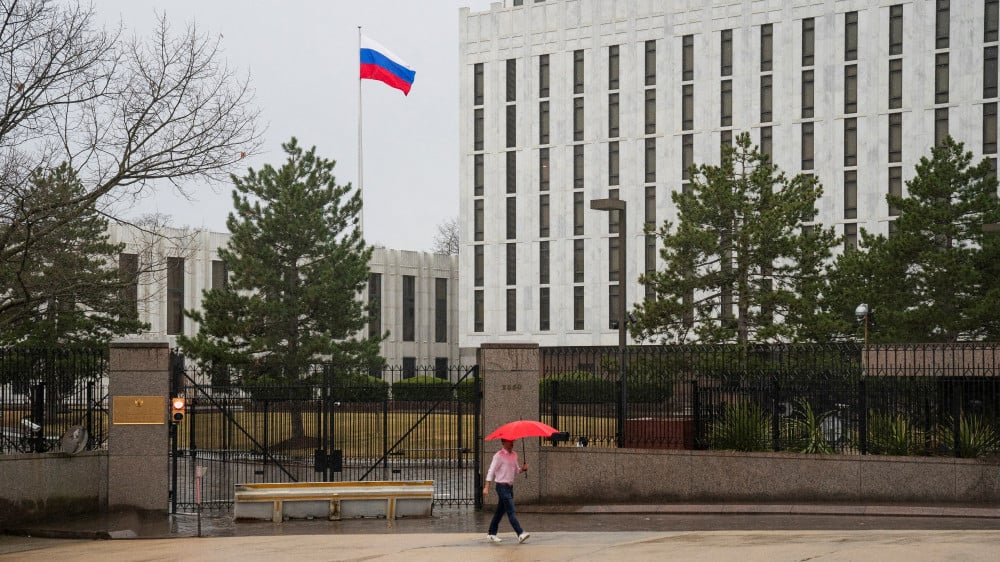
297, 264
936, 278
66, 288
738, 265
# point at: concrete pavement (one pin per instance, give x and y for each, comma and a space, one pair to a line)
745, 546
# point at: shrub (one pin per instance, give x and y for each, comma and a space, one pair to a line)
357, 387
805, 430
742, 427
466, 390
892, 434
422, 388
578, 387
976, 437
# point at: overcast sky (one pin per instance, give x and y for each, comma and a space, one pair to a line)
302, 58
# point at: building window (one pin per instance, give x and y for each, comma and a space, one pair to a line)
511, 263
543, 76
477, 220
650, 160
895, 83
851, 88
374, 305
990, 72
766, 47
990, 128
941, 78
511, 80
578, 260
477, 126
543, 122
650, 62
650, 263
543, 263
851, 36
687, 66
543, 215
613, 311
511, 310
765, 141
991, 20
766, 98
477, 84
614, 219
409, 367
895, 187
726, 54
409, 308
895, 137
578, 166
850, 236
543, 169
440, 309
613, 163
614, 247
511, 218
511, 171
578, 213
441, 367
478, 265
808, 96
220, 274
649, 216
850, 194
808, 42
478, 174
807, 146
578, 308
612, 115
940, 125
175, 296
478, 321
726, 101
511, 126
687, 156
650, 111
851, 142
896, 30
578, 72
942, 23
613, 67
543, 309
128, 271
577, 119
687, 107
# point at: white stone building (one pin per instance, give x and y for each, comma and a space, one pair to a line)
567, 101
417, 290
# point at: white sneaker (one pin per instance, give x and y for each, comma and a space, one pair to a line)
493, 538
523, 537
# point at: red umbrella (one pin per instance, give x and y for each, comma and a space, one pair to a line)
522, 428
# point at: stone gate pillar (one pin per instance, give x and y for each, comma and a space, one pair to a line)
138, 430
510, 373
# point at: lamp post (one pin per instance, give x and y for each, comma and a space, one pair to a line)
862, 312
618, 205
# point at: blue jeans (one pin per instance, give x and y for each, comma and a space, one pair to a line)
505, 504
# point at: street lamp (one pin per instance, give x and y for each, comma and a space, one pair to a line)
862, 312
618, 205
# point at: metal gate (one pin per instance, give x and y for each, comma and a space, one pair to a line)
337, 429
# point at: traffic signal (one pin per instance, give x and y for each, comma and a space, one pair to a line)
177, 407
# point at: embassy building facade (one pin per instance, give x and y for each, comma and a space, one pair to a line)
566, 101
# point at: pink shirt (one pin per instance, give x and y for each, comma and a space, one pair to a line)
504, 467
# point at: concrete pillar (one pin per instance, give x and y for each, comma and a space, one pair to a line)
510, 373
138, 436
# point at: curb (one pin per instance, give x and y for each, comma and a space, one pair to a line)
772, 509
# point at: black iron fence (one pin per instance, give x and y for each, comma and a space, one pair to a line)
843, 398
45, 392
340, 426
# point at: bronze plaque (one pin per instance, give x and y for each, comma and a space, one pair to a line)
139, 410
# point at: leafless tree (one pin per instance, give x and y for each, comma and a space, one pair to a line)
446, 240
120, 112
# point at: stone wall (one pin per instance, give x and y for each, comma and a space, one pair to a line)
43, 485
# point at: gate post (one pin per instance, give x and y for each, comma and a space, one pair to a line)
510, 374
138, 436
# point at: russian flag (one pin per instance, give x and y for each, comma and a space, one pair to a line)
379, 63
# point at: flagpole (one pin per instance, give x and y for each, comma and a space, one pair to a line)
361, 160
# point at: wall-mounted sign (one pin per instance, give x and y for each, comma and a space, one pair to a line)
139, 410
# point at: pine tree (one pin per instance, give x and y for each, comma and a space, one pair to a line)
297, 264
738, 264
936, 278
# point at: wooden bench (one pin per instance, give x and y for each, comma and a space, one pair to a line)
333, 500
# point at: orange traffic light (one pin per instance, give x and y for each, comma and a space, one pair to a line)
177, 408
